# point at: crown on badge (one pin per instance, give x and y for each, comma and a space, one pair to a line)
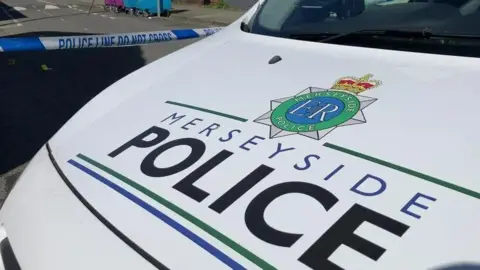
356, 85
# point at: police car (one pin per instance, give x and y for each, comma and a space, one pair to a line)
334, 135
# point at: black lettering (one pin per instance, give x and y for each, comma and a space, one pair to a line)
307, 162
134, 39
334, 172
186, 184
173, 117
192, 123
280, 150
342, 232
148, 167
251, 141
230, 135
139, 141
237, 191
210, 128
254, 214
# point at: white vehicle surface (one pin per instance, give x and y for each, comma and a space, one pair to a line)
305, 150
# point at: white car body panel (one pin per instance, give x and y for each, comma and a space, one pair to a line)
414, 122
51, 229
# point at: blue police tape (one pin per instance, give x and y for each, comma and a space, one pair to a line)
100, 41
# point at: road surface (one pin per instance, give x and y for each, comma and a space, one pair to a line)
35, 102
241, 4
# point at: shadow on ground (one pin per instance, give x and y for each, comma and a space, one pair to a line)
237, 4
35, 103
177, 11
8, 13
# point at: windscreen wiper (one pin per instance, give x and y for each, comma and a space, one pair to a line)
425, 34
395, 33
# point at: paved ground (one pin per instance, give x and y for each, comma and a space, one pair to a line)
197, 12
35, 103
242, 4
